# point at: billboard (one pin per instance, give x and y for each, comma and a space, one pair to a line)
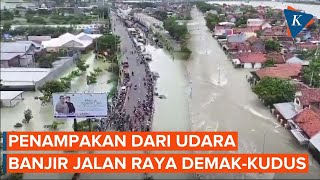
80, 105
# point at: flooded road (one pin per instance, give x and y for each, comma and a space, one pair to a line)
43, 115
222, 101
171, 114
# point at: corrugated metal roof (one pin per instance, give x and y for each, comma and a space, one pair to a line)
9, 95
14, 47
287, 110
315, 141
9, 56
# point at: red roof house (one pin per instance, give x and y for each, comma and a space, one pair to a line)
252, 58
277, 57
285, 71
309, 96
308, 121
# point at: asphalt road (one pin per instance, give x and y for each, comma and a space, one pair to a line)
138, 69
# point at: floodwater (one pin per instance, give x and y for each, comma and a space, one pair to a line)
223, 101
43, 115
172, 113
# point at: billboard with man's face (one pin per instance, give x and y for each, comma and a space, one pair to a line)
80, 105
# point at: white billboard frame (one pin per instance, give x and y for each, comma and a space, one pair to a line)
80, 105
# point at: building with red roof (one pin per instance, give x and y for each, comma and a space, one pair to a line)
278, 58
308, 121
308, 97
249, 60
285, 71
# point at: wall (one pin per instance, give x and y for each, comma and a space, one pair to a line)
4, 64
56, 72
25, 61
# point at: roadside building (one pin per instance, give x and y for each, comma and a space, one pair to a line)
236, 38
82, 42
10, 98
255, 23
249, 60
283, 71
305, 125
17, 54
278, 58
38, 39
257, 44
314, 147
21, 79
265, 25
308, 98
296, 60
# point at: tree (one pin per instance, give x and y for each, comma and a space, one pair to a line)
108, 43
212, 20
269, 63
82, 66
259, 33
204, 7
50, 87
6, 26
27, 116
35, 20
176, 30
16, 13
242, 21
272, 45
6, 15
55, 125
274, 90
311, 73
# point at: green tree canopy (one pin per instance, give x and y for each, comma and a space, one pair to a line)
176, 30
204, 7
269, 63
311, 73
108, 43
274, 90
6, 15
6, 26
212, 20
272, 45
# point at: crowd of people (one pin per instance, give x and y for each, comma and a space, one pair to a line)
141, 117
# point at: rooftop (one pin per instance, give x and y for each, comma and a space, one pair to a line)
9, 95
309, 121
22, 76
315, 140
277, 57
285, 71
309, 95
287, 109
9, 56
14, 47
252, 58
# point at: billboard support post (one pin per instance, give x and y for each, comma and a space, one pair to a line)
75, 124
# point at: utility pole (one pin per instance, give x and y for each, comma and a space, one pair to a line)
219, 69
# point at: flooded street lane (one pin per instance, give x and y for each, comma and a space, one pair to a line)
223, 101
171, 114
